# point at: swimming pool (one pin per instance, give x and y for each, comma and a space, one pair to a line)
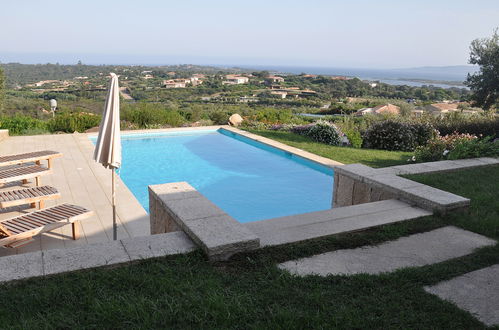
247, 179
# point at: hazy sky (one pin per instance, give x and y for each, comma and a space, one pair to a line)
355, 33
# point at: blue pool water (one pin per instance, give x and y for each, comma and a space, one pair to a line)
248, 180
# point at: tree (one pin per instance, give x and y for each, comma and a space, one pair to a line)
485, 83
2, 87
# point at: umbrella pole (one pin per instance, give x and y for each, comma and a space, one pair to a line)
114, 204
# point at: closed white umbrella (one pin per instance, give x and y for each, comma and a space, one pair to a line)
108, 146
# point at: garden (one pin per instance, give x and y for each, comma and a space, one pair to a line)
389, 140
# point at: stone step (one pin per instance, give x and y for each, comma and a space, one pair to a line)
306, 226
416, 250
217, 233
476, 292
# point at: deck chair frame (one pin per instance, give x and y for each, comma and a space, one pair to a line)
24, 227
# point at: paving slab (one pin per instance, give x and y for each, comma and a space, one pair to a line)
221, 236
83, 257
193, 208
434, 199
476, 292
411, 251
20, 266
160, 245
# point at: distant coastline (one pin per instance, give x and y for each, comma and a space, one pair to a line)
445, 77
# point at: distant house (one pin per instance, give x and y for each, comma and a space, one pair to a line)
442, 108
148, 76
196, 79
174, 83
379, 110
231, 79
274, 79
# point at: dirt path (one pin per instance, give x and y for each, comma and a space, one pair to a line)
125, 93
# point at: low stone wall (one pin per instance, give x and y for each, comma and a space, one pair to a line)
178, 206
4, 134
357, 184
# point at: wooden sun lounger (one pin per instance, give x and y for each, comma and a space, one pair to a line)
30, 157
28, 196
18, 231
23, 173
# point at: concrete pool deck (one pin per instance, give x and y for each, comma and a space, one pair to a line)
80, 181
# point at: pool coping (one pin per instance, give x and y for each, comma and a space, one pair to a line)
257, 138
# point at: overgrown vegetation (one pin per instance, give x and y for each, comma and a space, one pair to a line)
62, 122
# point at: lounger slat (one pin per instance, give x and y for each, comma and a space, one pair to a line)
35, 222
28, 224
66, 212
25, 226
28, 157
24, 172
27, 195
14, 227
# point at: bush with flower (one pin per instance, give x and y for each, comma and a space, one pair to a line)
456, 146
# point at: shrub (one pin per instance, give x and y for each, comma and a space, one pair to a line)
274, 116
432, 151
18, 125
70, 122
390, 135
476, 125
324, 132
219, 117
441, 147
302, 129
423, 133
354, 137
147, 115
474, 148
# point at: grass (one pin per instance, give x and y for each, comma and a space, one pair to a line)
346, 155
187, 291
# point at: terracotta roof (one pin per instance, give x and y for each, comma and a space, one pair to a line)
445, 106
387, 108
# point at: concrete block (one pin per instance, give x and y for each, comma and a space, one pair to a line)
20, 266
221, 236
393, 182
160, 220
476, 292
412, 168
158, 245
434, 199
344, 192
83, 257
355, 171
193, 208
361, 193
338, 226
173, 191
411, 251
489, 160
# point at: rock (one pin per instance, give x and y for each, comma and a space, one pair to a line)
93, 130
235, 120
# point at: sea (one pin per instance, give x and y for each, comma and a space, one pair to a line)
445, 77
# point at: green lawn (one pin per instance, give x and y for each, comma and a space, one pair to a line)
346, 155
250, 292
